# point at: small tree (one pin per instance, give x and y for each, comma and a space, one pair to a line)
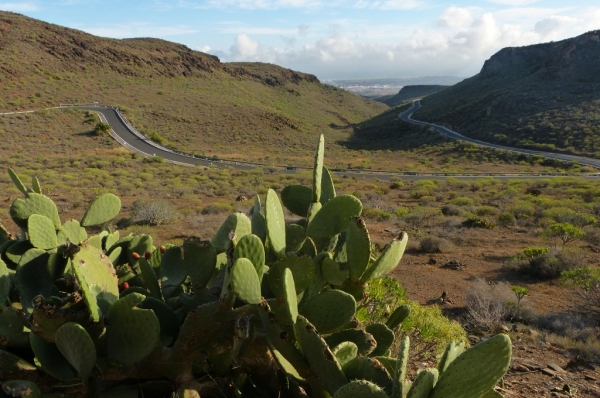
565, 232
587, 283
520, 293
101, 128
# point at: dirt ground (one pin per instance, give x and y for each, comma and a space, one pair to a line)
538, 368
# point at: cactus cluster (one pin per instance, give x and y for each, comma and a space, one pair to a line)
265, 308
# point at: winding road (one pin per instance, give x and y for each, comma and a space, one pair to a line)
407, 117
126, 135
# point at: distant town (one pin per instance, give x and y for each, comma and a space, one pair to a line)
373, 88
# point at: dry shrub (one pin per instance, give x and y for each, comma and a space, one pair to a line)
433, 244
152, 211
488, 305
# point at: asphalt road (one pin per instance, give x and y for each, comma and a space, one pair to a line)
407, 117
129, 138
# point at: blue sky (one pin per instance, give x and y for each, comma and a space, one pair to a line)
332, 38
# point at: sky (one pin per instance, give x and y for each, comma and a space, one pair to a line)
333, 39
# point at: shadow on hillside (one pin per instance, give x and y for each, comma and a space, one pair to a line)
385, 131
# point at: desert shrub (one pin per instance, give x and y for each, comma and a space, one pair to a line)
422, 216
159, 139
563, 232
478, 222
401, 211
426, 325
419, 193
452, 210
396, 185
566, 215
522, 210
152, 211
217, 208
433, 244
543, 263
373, 213
486, 211
488, 305
507, 220
462, 201
586, 282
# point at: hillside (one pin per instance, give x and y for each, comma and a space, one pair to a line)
194, 101
543, 96
408, 93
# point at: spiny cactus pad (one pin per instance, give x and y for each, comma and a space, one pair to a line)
333, 272
330, 310
17, 181
423, 383
50, 358
244, 281
363, 340
327, 186
303, 269
345, 352
42, 233
103, 209
475, 371
297, 199
399, 388
33, 278
452, 351
251, 247
398, 316
199, 261
384, 337
360, 389
132, 333
71, 231
358, 247
319, 356
13, 328
275, 223
334, 216
388, 260
34, 203
238, 223
77, 347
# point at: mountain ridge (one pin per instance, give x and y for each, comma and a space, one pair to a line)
532, 95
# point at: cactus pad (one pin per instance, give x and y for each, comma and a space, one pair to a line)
139, 245
360, 389
76, 345
251, 247
303, 269
319, 356
126, 344
398, 316
13, 326
6, 282
167, 319
389, 258
363, 340
297, 199
384, 337
241, 226
71, 231
42, 233
259, 226
295, 237
244, 281
334, 216
358, 247
35, 185
21, 388
275, 223
33, 278
149, 278
368, 369
327, 186
318, 169
50, 358
17, 181
34, 203
103, 209
476, 371
423, 383
333, 273
199, 261
345, 352
330, 310
452, 351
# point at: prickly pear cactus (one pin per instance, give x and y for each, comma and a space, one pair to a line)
265, 308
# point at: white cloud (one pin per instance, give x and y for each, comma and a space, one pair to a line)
514, 3
550, 28
139, 30
245, 48
455, 17
19, 7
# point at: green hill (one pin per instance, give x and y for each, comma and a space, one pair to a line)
544, 96
409, 93
191, 99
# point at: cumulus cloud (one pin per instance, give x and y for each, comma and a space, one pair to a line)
455, 17
245, 48
549, 28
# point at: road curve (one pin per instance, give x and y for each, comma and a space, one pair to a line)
127, 136
407, 117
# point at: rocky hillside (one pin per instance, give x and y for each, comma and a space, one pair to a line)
542, 96
191, 99
409, 93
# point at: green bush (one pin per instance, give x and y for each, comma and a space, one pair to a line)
373, 213
218, 208
507, 220
478, 222
462, 201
